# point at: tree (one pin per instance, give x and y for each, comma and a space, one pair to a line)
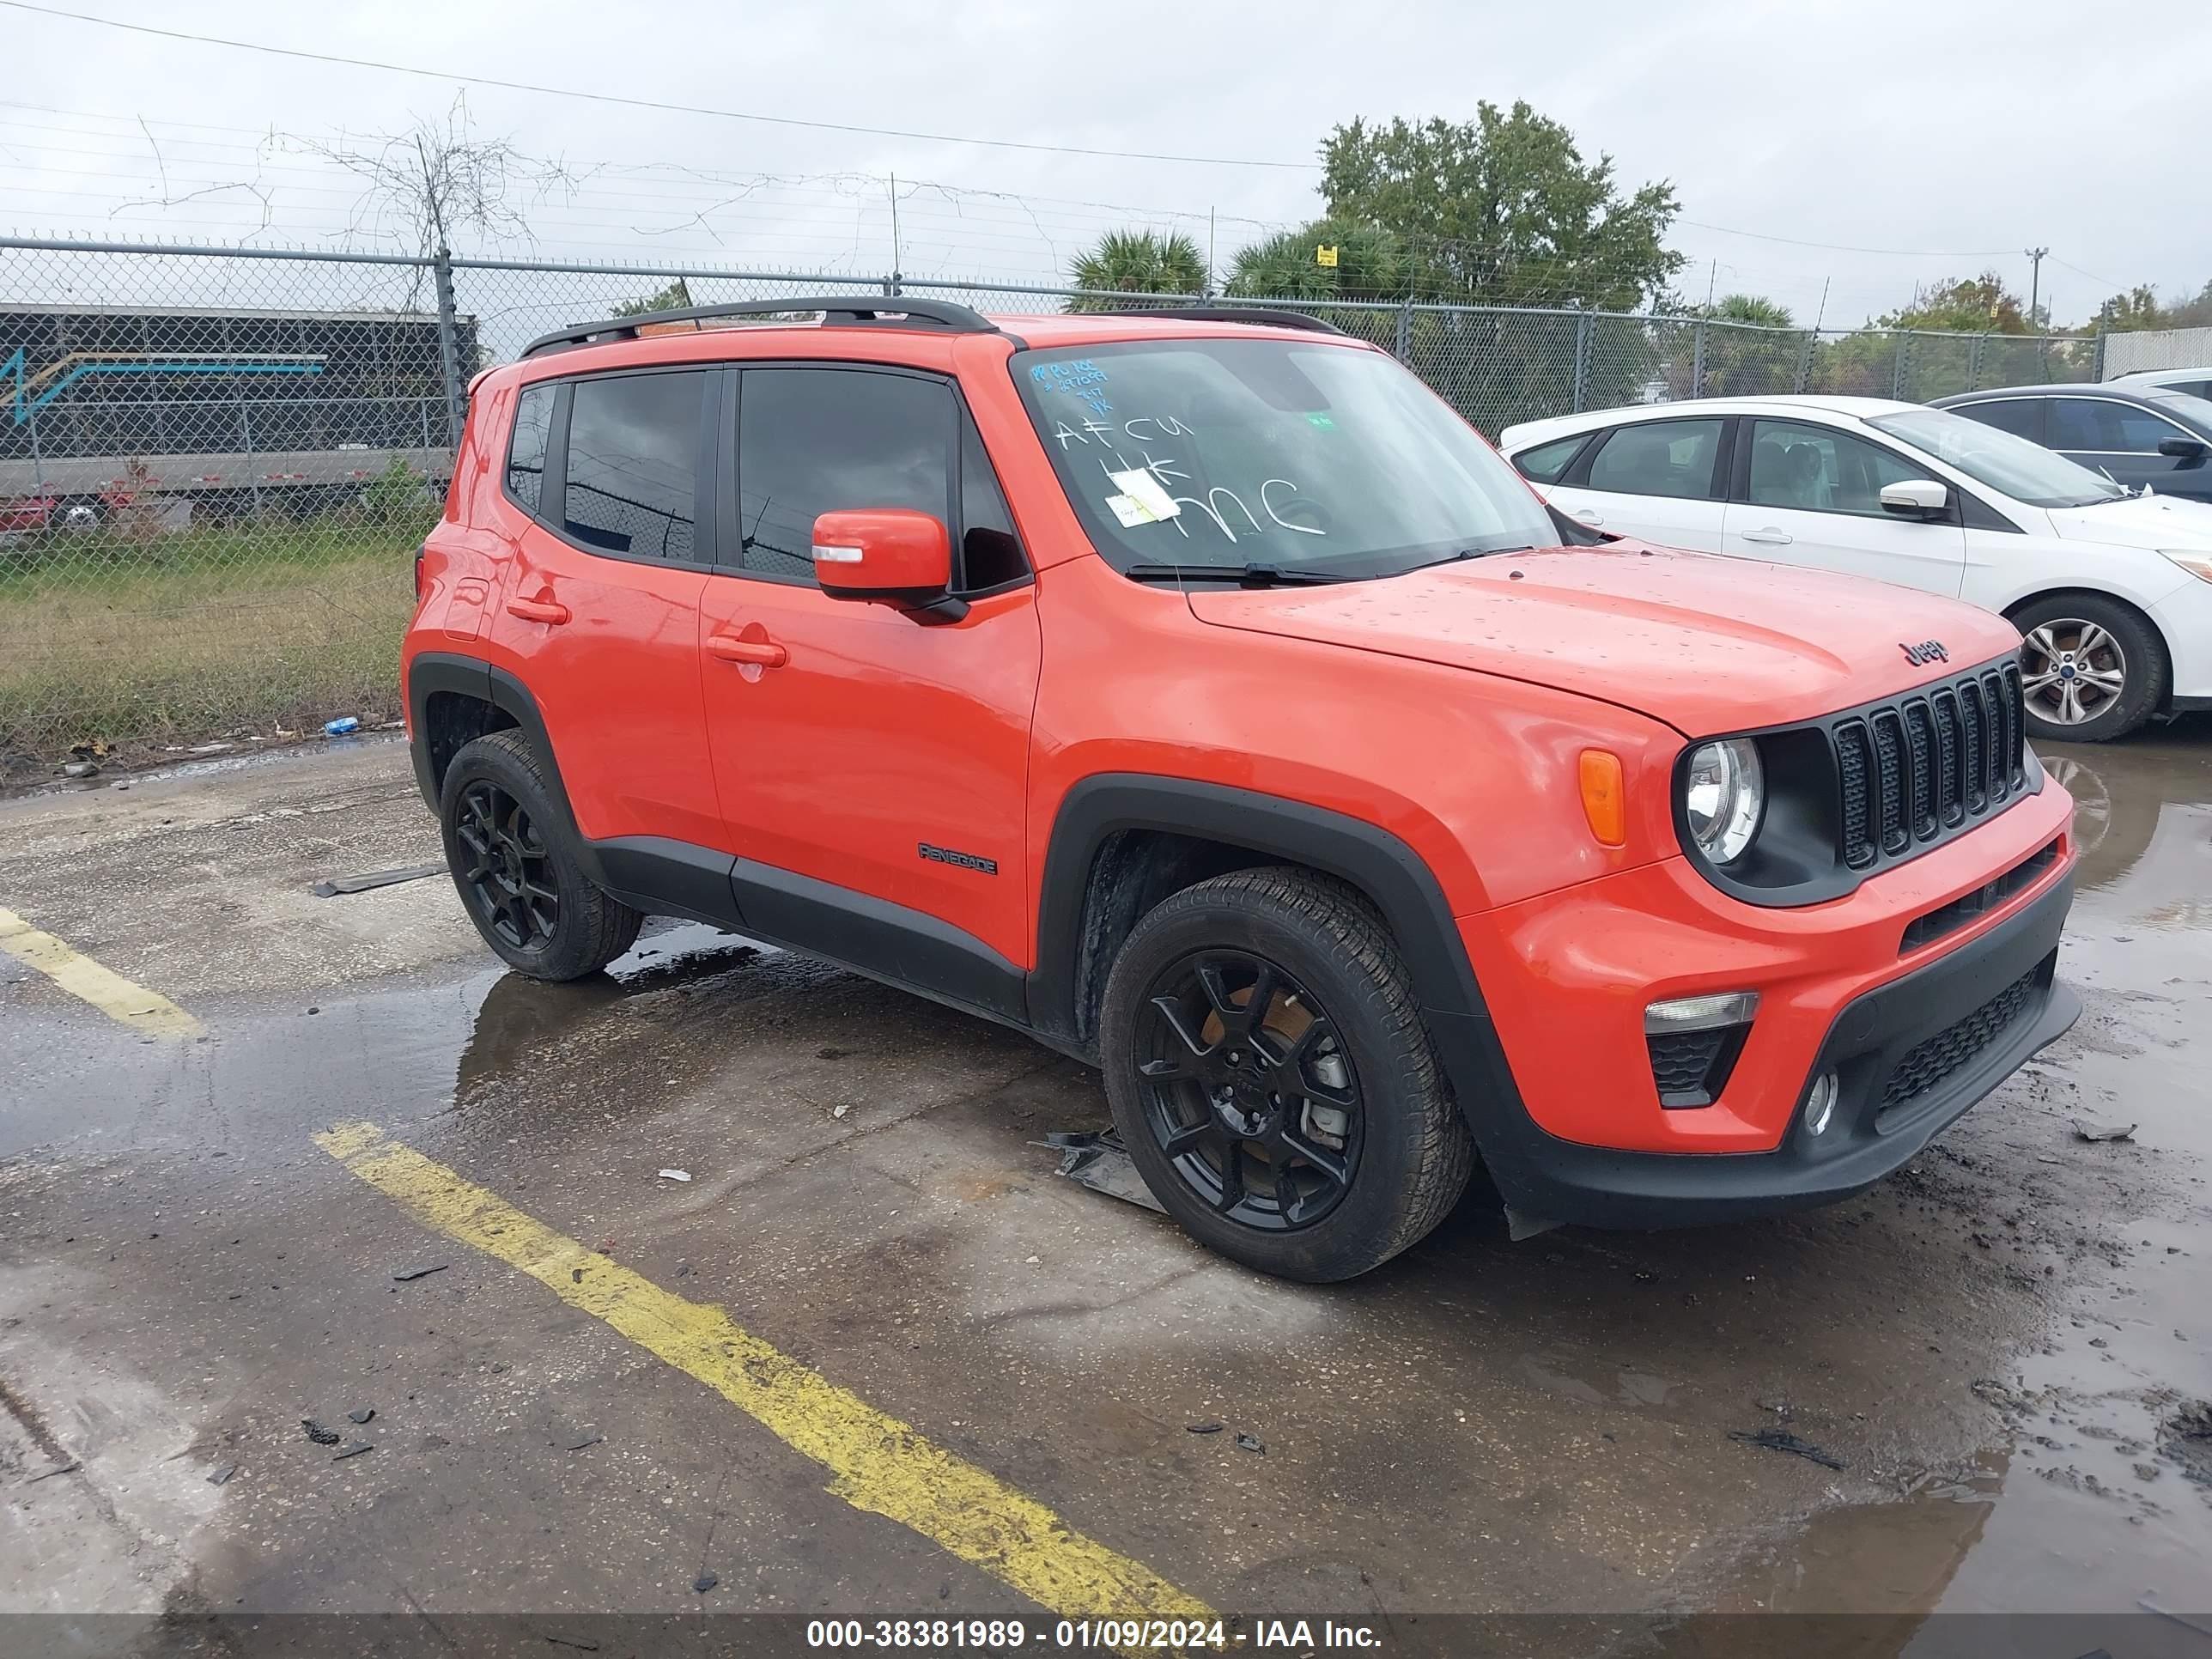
1750, 309
1139, 262
1750, 348
1964, 305
2140, 308
1371, 265
675, 297
1503, 210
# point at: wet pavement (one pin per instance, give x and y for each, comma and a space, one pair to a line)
2000, 1346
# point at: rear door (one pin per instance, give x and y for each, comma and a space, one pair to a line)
1659, 481
600, 615
876, 775
1809, 494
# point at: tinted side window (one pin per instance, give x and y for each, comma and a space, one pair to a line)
632, 479
1820, 470
990, 552
1547, 461
2021, 417
815, 441
1658, 458
526, 448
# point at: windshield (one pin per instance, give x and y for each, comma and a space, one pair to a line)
2013, 466
1239, 451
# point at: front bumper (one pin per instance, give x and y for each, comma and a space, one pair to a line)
1981, 1009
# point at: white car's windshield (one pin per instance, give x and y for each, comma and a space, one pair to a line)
2013, 466
1319, 459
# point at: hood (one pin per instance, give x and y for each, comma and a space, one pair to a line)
2140, 521
1705, 643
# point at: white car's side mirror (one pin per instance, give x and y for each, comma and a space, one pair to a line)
1916, 498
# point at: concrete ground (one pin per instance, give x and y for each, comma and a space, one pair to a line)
1999, 1345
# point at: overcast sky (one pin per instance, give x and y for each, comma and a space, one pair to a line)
1948, 137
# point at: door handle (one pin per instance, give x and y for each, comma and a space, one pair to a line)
538, 611
1587, 514
1768, 538
764, 653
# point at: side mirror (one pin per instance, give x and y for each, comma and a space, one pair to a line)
1916, 498
890, 554
2184, 449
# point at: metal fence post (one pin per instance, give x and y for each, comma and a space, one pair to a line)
449, 345
1897, 365
1403, 350
2097, 354
1798, 382
1697, 362
1974, 362
1582, 325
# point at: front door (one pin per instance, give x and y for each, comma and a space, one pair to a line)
2121, 441
871, 763
1811, 495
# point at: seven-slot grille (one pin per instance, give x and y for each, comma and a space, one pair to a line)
1928, 763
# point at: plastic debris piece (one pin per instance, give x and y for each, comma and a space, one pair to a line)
1098, 1160
1250, 1443
1781, 1440
331, 886
1206, 1428
2085, 1129
341, 726
354, 1449
317, 1433
675, 1174
80, 769
421, 1272
361, 1414
571, 1642
705, 1581
581, 1440
220, 1475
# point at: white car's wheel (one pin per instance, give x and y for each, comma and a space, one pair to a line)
2091, 669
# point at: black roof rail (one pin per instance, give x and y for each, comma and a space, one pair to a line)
1258, 314
890, 311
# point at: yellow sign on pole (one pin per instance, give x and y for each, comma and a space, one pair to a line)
1325, 254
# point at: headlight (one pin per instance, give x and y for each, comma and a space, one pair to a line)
1724, 792
2195, 561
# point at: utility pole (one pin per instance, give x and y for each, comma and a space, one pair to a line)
2035, 258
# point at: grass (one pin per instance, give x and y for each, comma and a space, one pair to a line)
214, 632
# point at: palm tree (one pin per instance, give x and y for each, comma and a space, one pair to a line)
1371, 265
1139, 262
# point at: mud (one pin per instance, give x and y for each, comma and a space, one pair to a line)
2004, 1345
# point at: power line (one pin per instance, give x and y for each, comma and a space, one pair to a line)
644, 103
1831, 247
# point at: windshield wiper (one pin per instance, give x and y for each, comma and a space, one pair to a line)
1248, 575
1468, 553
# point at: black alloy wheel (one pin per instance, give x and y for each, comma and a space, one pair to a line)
508, 878
1248, 1090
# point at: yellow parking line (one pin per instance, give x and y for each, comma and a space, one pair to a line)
146, 1012
881, 1465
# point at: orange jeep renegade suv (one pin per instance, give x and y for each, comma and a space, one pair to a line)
1196, 692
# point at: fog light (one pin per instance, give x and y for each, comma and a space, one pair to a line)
1699, 1013
1820, 1104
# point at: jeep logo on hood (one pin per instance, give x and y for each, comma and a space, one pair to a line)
1927, 651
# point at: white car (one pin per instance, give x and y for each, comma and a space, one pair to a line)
2112, 593
2196, 382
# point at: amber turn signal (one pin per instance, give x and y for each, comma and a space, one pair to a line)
1605, 803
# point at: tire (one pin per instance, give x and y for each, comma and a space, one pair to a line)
514, 860
2094, 669
1339, 1056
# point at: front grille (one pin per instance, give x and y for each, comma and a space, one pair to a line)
1916, 768
1958, 1044
1921, 929
1691, 1068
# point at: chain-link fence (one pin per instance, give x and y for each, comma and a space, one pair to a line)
215, 464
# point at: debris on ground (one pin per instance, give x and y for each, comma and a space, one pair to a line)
2187, 1437
361, 1414
1250, 1443
353, 1450
69, 1467
413, 1273
571, 1642
705, 1581
331, 886
578, 1441
344, 725
1781, 1440
1206, 1428
1098, 1160
2088, 1129
317, 1433
220, 1475
675, 1174
81, 769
